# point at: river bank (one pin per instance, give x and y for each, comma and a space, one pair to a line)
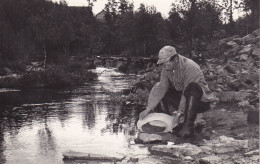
229, 131
53, 76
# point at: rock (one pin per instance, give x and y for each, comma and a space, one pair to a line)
206, 149
211, 77
230, 69
223, 41
232, 52
213, 159
254, 152
257, 64
215, 87
252, 40
185, 149
225, 144
256, 53
233, 96
91, 156
253, 117
188, 158
154, 160
220, 80
234, 84
243, 57
256, 32
231, 44
223, 149
219, 70
7, 70
246, 50
247, 38
243, 104
148, 138
249, 79
238, 41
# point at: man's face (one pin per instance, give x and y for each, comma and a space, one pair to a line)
171, 65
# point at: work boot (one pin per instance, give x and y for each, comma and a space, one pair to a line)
190, 115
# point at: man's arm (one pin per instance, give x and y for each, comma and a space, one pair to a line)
157, 93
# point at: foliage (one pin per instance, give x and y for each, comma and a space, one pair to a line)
44, 31
39, 30
139, 97
194, 23
57, 76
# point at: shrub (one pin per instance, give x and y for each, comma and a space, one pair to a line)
57, 76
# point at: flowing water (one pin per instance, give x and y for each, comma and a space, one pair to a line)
38, 125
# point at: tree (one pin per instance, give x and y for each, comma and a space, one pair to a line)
194, 22
253, 7
126, 28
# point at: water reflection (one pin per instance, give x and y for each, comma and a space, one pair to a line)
39, 125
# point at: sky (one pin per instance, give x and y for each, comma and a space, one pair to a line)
163, 6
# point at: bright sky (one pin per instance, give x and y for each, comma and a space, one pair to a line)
163, 6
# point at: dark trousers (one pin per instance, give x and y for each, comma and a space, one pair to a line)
171, 100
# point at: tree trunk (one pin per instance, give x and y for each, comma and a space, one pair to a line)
45, 56
144, 49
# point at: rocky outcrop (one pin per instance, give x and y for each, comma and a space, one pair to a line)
220, 150
236, 78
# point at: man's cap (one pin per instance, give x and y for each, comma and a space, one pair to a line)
165, 54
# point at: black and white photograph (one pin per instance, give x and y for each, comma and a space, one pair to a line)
129, 81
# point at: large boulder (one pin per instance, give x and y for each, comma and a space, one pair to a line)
224, 144
185, 149
246, 50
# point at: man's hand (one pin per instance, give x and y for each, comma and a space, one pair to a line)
176, 119
143, 114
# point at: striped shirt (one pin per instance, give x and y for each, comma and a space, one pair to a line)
187, 72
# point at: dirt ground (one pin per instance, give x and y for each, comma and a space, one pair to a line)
230, 120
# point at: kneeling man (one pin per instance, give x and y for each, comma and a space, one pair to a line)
182, 85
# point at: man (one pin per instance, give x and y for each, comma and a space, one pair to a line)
182, 85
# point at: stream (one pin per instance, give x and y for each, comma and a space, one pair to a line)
39, 125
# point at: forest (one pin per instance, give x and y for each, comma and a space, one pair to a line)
52, 33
